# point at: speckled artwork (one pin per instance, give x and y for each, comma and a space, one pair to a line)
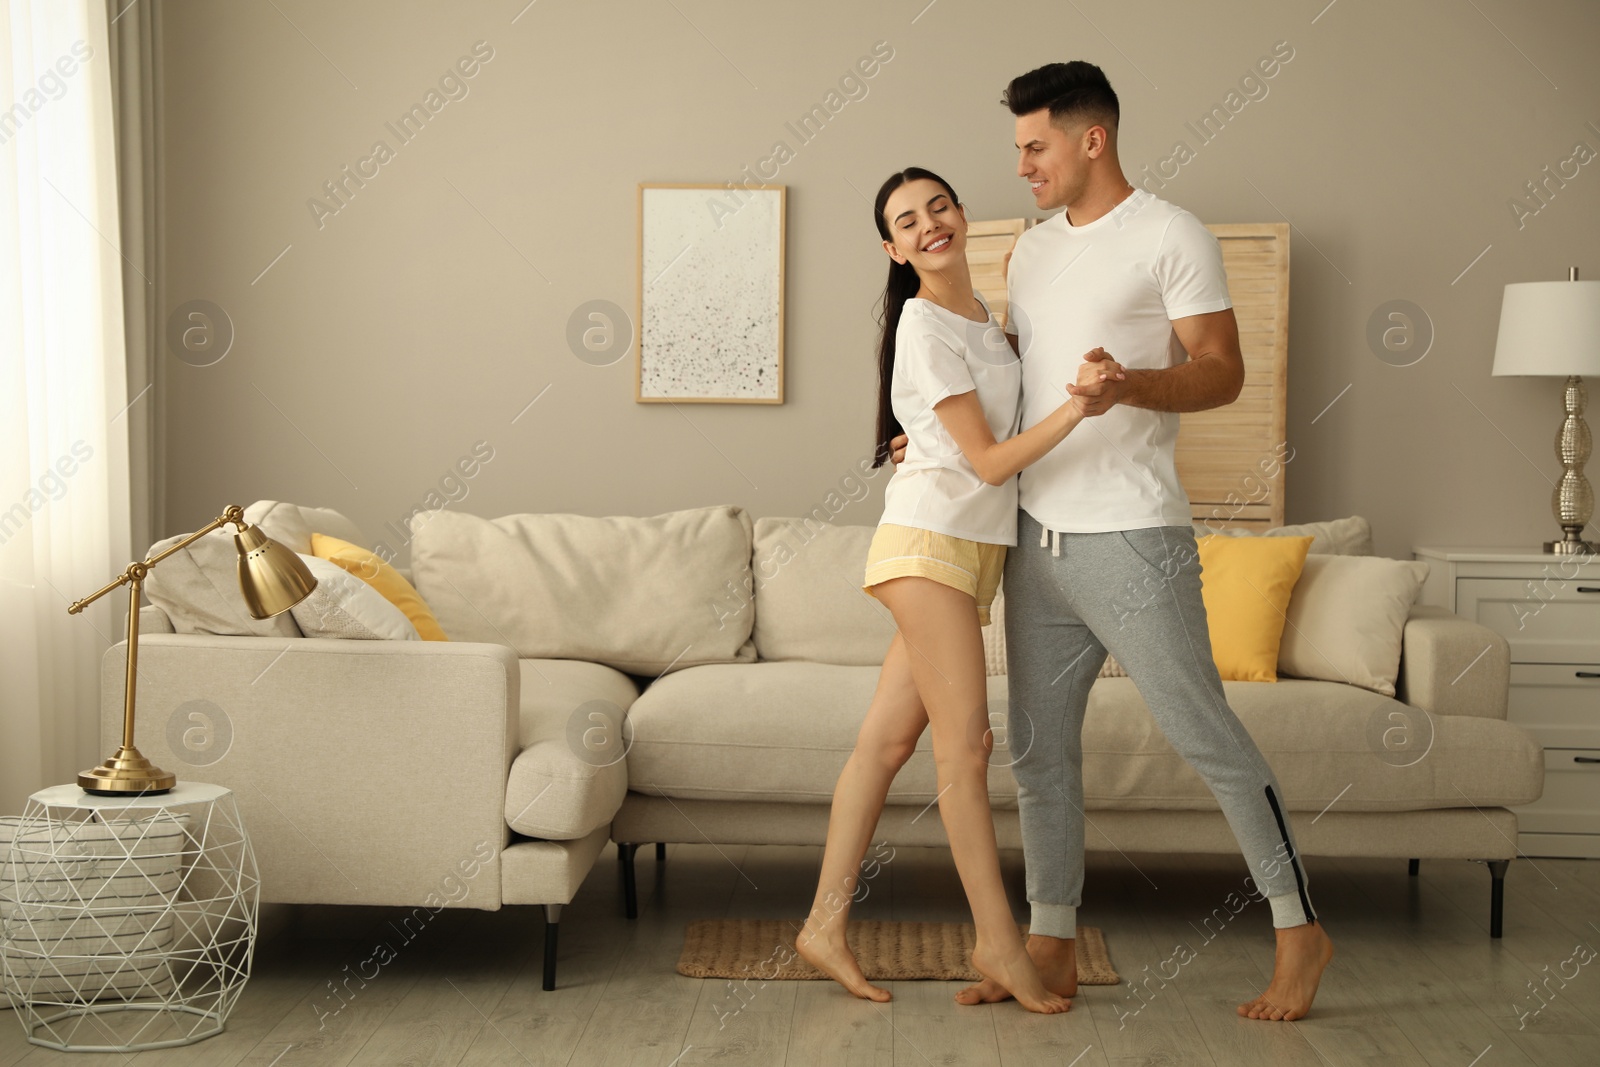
711, 294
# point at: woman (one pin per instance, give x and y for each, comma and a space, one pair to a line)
953, 385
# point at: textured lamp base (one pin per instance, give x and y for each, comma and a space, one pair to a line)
127, 773
1573, 498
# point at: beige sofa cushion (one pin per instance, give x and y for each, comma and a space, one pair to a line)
770, 731
782, 732
198, 588
637, 594
808, 597
572, 772
292, 525
1346, 619
1335, 537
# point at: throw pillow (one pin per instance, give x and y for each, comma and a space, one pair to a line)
1339, 537
343, 606
292, 525
371, 569
1347, 618
642, 594
808, 599
198, 588
1246, 583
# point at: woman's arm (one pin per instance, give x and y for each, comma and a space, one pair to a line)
998, 461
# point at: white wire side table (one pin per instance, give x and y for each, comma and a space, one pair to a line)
126, 923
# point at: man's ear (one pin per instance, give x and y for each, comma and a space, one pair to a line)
1095, 139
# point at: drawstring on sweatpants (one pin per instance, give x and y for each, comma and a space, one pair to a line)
1050, 539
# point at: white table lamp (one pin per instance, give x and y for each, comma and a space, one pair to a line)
1552, 329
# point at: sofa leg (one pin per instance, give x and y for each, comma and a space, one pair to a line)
1415, 866
552, 930
1497, 895
661, 852
630, 885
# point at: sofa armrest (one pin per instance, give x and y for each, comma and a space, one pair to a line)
1450, 665
367, 772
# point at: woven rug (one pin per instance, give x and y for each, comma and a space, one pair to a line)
887, 951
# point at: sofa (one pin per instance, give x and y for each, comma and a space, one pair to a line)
698, 677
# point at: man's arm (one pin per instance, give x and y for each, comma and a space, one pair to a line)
1211, 378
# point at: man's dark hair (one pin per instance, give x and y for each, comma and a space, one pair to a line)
1073, 92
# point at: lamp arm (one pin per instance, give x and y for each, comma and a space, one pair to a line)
136, 571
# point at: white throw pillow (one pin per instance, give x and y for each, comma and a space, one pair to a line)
343, 606
198, 588
1346, 619
292, 525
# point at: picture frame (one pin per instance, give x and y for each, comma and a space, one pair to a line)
710, 302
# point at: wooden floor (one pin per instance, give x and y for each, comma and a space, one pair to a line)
1417, 979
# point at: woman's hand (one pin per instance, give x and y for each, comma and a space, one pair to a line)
897, 449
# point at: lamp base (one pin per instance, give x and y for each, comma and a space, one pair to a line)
127, 773
1573, 543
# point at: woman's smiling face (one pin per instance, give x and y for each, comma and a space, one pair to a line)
927, 225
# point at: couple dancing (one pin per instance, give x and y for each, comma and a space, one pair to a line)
1106, 298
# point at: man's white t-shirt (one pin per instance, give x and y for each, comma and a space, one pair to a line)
1114, 283
939, 353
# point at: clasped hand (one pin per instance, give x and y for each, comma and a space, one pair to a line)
1098, 388
1100, 383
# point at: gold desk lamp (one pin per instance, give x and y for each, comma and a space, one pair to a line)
273, 580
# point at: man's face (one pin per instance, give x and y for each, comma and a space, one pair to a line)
1055, 162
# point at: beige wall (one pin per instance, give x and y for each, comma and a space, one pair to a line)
427, 313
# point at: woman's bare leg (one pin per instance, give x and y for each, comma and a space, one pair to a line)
894, 722
945, 644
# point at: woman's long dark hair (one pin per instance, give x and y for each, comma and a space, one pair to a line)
902, 286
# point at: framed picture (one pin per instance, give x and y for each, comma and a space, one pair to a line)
710, 294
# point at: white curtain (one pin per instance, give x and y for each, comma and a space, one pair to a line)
64, 486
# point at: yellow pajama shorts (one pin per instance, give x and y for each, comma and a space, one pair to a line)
974, 567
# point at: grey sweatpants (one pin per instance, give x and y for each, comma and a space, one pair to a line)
1069, 598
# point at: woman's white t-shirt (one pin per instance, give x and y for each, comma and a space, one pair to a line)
939, 353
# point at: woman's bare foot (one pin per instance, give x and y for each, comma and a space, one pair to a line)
1302, 955
1056, 960
1017, 975
831, 955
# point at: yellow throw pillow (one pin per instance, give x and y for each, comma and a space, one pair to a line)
371, 569
1245, 583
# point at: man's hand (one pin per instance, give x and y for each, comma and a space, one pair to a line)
1099, 383
897, 450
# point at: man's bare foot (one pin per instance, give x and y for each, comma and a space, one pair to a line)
1056, 960
1302, 955
830, 954
1018, 977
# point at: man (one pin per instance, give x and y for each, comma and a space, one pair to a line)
1106, 557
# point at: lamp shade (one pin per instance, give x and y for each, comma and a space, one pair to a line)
272, 578
1549, 328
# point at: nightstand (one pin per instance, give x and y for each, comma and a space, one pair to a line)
1548, 608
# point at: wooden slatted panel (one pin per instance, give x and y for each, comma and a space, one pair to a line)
1225, 455
987, 245
1229, 458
